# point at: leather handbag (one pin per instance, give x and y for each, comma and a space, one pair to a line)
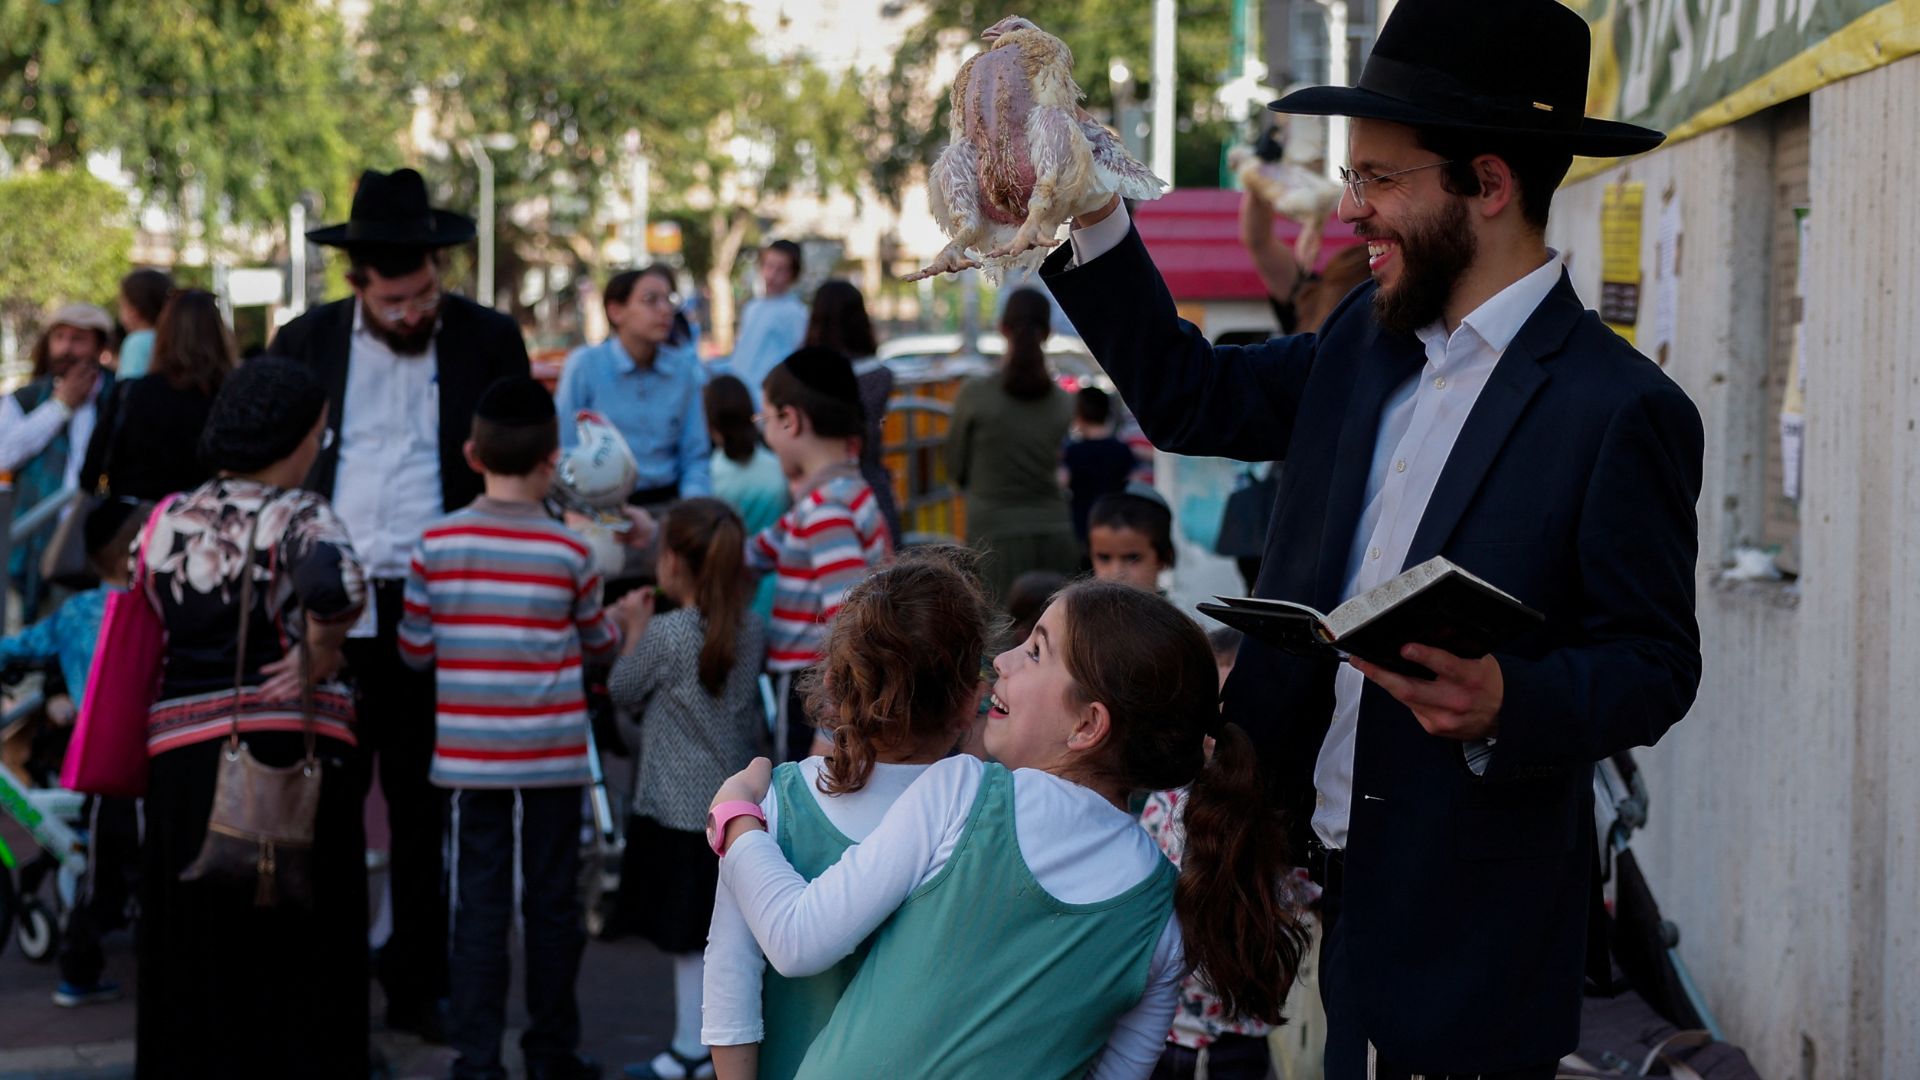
108, 752
261, 829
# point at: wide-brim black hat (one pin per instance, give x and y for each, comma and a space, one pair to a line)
391, 210
1504, 67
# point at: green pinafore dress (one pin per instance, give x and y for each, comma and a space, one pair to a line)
981, 973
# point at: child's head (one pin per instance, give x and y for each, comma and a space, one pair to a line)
515, 429
730, 417
701, 564
1225, 641
1118, 690
1027, 597
142, 294
1091, 407
1130, 537
812, 406
901, 671
109, 531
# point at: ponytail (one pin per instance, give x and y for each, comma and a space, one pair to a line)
1240, 932
1026, 323
707, 536
1153, 669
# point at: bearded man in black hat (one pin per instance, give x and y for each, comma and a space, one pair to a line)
1461, 403
404, 364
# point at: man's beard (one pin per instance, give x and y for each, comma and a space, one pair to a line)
404, 342
1435, 253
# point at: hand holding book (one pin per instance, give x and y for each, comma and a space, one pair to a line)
1462, 700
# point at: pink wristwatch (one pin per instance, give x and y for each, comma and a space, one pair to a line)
718, 817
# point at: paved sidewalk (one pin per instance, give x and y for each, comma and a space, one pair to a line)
626, 1013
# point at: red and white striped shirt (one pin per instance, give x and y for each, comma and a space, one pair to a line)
821, 547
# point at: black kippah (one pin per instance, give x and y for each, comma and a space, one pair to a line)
516, 401
825, 371
261, 414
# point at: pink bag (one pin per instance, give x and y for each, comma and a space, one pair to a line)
108, 752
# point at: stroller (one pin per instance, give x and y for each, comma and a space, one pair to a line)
1647, 1017
52, 817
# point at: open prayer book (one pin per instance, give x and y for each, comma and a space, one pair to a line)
1435, 603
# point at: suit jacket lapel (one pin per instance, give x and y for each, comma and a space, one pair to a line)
1388, 361
1515, 379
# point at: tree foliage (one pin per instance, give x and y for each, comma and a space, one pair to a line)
909, 118
579, 83
237, 102
64, 236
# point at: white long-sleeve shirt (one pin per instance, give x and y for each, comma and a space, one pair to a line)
730, 1006
1081, 849
23, 435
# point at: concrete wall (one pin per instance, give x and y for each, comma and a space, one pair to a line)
1785, 837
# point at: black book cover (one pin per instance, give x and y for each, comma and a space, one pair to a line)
1435, 604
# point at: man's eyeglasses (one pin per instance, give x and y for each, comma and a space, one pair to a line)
423, 305
1357, 183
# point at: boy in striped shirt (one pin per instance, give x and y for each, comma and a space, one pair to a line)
833, 534
504, 601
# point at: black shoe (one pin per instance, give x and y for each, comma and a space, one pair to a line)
564, 1067
428, 1020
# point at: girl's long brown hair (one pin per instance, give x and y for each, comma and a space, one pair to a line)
192, 347
709, 540
1152, 668
902, 661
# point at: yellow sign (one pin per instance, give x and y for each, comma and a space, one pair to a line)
1620, 208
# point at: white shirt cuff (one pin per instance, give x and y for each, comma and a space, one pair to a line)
1097, 239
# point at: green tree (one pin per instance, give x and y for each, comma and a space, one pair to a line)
64, 236
909, 118
581, 84
224, 111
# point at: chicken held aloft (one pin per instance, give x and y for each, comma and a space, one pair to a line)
1024, 156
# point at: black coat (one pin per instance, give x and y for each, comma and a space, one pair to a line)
475, 346
1572, 486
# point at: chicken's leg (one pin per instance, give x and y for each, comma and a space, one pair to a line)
953, 194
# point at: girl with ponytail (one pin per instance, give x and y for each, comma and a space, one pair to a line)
1003, 452
691, 677
1027, 926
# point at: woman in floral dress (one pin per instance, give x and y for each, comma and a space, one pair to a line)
228, 988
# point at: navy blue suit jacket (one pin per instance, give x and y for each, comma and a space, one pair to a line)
1572, 487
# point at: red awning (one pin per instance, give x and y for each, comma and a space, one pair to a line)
1193, 235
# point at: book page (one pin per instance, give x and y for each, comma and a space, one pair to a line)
1362, 609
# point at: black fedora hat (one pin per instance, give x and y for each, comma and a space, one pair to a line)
390, 210
1507, 67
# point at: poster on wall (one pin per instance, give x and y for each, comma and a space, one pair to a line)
1620, 208
1666, 279
1793, 419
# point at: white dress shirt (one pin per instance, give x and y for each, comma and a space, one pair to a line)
23, 435
1418, 427
386, 487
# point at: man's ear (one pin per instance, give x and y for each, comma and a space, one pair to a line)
473, 459
1093, 729
1498, 189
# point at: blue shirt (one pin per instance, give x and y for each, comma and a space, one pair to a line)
68, 635
657, 408
770, 330
136, 355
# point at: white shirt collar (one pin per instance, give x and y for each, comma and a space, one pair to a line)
1498, 321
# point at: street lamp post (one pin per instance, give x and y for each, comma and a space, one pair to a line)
1163, 88
477, 147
